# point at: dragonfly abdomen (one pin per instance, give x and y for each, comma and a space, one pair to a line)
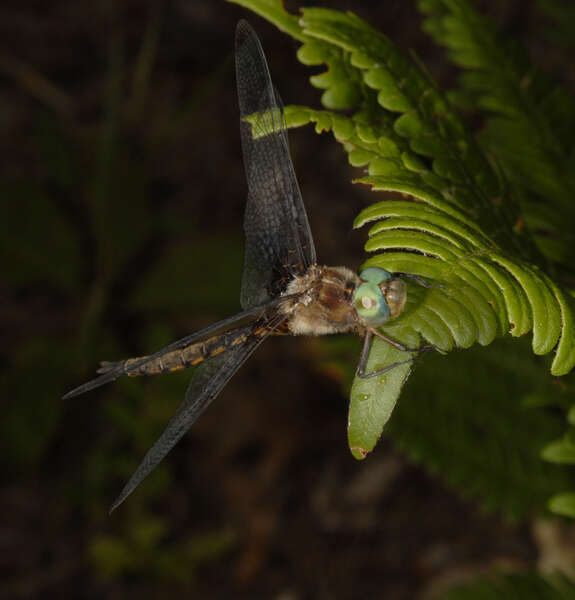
176, 360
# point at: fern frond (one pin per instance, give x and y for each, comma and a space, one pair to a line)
426, 146
455, 223
432, 127
482, 293
531, 124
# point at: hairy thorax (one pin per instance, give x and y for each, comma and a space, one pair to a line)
326, 302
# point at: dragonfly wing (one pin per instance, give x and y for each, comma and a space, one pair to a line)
207, 382
118, 371
279, 243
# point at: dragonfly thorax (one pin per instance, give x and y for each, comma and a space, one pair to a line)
324, 301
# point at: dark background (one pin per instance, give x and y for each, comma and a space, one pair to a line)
122, 194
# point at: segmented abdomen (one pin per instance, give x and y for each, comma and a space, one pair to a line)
177, 360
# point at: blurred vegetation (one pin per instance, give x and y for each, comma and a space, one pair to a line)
526, 586
81, 234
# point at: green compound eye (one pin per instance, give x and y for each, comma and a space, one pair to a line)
375, 275
370, 303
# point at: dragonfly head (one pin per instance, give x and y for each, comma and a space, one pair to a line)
379, 296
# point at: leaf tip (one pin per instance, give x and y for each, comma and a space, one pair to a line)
358, 452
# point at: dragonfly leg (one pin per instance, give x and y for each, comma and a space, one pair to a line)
399, 345
360, 371
415, 278
364, 354
383, 370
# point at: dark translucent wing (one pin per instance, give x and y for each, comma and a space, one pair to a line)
279, 243
113, 374
234, 321
207, 382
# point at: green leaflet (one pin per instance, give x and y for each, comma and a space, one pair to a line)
369, 408
563, 504
561, 451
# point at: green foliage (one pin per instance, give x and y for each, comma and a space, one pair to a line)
485, 440
488, 223
530, 128
530, 124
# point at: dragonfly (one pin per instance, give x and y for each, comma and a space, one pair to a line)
283, 291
